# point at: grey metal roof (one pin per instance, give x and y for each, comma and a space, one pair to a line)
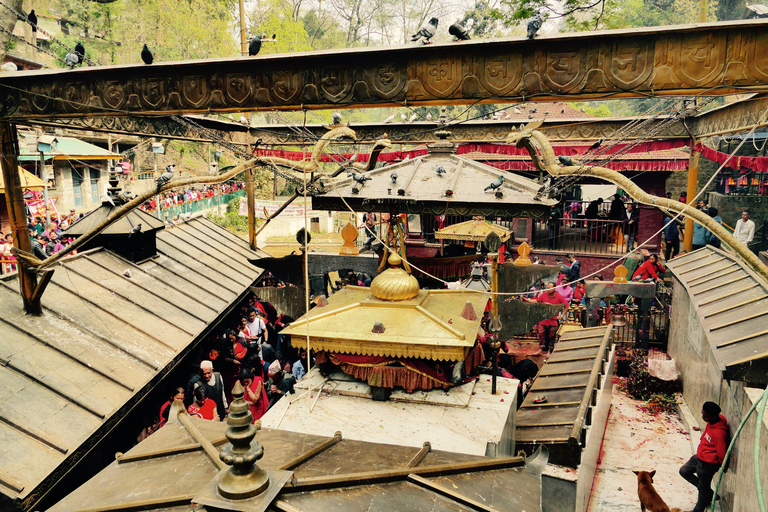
424, 191
569, 380
167, 471
731, 304
122, 226
103, 337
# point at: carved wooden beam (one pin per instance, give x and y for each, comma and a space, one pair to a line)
733, 117
708, 58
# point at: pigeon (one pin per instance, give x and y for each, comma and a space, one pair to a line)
80, 51
534, 24
71, 59
393, 176
336, 117
389, 119
496, 184
565, 160
427, 31
146, 55
404, 118
413, 117
127, 272
457, 30
254, 45
166, 177
360, 178
429, 116
125, 196
135, 230
595, 145
439, 169
244, 120
32, 18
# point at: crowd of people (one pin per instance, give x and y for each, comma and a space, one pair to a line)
47, 239
249, 349
191, 194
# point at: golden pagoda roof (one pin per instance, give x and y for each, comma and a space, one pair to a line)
475, 230
427, 326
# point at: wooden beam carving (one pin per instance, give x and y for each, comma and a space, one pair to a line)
707, 58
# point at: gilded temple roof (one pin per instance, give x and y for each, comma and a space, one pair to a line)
475, 229
427, 326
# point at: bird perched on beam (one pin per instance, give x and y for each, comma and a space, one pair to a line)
427, 31
496, 184
360, 178
459, 32
32, 18
534, 24
80, 51
439, 169
595, 145
389, 119
567, 161
393, 176
146, 55
254, 45
336, 117
135, 231
71, 59
166, 177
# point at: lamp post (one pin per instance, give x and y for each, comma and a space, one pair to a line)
492, 242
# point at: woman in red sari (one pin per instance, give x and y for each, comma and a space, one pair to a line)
203, 407
178, 394
255, 394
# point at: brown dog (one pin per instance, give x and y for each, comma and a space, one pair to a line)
649, 498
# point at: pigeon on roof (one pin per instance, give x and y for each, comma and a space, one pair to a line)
254, 45
71, 59
80, 51
146, 55
459, 32
496, 184
427, 31
534, 24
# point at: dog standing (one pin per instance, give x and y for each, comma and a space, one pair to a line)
649, 498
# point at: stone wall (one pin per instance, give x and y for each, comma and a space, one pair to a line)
730, 207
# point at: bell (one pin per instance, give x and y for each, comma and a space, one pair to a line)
617, 320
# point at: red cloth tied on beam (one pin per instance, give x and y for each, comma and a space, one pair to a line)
739, 163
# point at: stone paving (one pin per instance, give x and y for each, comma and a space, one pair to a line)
637, 440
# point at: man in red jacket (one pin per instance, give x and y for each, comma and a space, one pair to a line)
700, 469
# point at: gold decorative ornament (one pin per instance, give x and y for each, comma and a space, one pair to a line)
394, 283
349, 235
523, 250
620, 274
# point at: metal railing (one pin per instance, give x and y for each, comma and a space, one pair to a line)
580, 235
205, 203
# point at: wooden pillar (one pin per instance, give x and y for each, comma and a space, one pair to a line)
251, 200
14, 198
693, 182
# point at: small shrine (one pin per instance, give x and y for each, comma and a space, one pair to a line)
395, 334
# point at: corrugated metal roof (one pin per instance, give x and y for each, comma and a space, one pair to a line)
66, 148
569, 380
731, 304
169, 469
102, 337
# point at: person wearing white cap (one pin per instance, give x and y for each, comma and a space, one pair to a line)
279, 383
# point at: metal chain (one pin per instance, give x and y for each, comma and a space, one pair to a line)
23, 17
2, 28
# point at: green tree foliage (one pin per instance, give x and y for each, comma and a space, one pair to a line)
276, 17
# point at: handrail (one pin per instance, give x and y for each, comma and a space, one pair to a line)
575, 436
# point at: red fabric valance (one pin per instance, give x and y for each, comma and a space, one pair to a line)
739, 163
506, 149
390, 372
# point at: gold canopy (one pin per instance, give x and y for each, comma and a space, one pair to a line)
427, 326
28, 181
475, 230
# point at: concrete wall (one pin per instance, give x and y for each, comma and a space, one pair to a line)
702, 381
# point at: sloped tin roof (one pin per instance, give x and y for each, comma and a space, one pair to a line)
731, 304
103, 339
420, 189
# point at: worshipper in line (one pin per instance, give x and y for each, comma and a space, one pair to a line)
203, 407
165, 409
649, 270
710, 455
547, 329
255, 393
279, 383
214, 384
745, 229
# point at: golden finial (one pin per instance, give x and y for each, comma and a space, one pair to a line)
620, 274
523, 250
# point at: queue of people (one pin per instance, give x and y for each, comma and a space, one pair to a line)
191, 194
